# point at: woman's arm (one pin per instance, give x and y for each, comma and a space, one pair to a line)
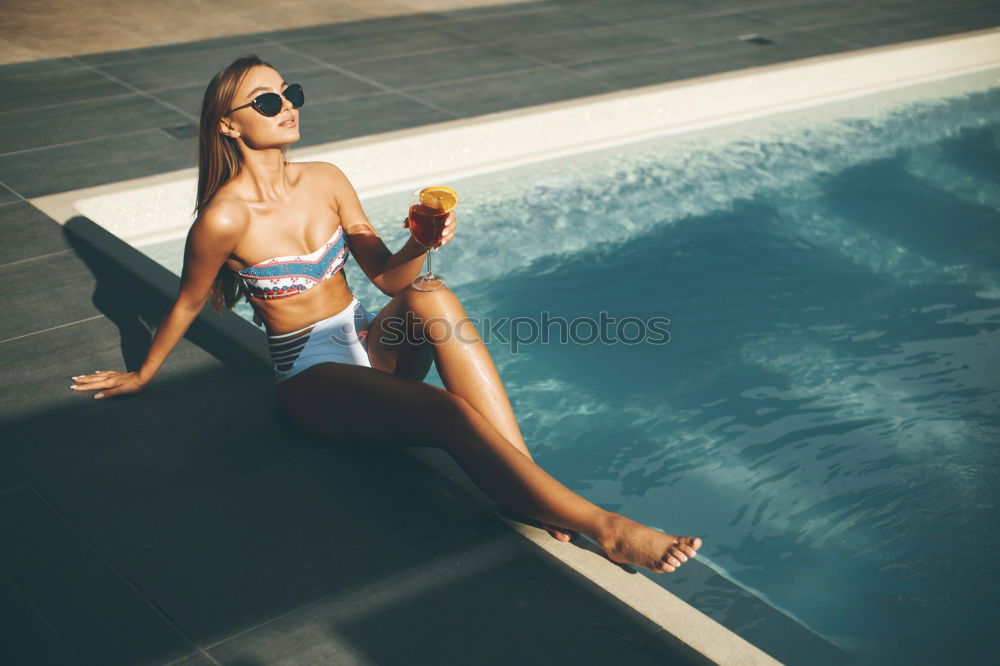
387, 271
211, 240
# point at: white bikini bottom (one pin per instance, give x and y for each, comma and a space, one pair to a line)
340, 338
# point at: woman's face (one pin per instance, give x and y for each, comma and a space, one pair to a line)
256, 129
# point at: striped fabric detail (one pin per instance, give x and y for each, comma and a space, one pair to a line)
285, 348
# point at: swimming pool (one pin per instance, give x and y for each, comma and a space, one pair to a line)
828, 364
825, 412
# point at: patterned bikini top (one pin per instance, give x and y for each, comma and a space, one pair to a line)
281, 277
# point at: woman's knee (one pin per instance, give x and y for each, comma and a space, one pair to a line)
427, 301
437, 315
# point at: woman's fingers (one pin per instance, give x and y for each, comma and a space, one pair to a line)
95, 377
86, 379
100, 380
93, 385
448, 230
108, 386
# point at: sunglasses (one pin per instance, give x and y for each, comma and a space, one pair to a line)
270, 103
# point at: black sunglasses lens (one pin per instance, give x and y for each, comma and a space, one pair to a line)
293, 93
268, 103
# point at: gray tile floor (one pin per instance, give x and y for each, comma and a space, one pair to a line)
190, 522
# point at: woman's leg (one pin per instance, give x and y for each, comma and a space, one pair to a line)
440, 330
370, 407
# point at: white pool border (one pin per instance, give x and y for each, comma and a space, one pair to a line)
158, 208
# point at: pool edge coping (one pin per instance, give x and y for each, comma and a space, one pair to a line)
682, 621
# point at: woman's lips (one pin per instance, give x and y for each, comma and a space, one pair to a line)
287, 123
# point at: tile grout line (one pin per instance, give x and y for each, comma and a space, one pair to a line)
543, 63
364, 79
565, 67
151, 93
472, 79
38, 612
667, 45
818, 28
251, 40
41, 256
55, 68
536, 66
201, 651
749, 13
459, 47
17, 194
56, 105
121, 575
508, 11
74, 142
708, 12
51, 328
667, 48
780, 29
878, 13
134, 89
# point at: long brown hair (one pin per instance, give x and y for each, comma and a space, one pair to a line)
219, 159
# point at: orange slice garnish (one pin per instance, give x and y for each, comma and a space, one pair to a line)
439, 198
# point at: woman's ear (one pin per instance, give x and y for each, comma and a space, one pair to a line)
226, 127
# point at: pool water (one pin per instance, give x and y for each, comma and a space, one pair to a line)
825, 412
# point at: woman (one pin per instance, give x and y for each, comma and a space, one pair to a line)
341, 371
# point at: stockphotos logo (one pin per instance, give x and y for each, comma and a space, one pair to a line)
518, 331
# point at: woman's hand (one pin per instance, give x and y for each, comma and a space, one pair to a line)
447, 231
111, 383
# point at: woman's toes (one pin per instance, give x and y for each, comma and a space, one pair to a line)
557, 533
676, 552
671, 560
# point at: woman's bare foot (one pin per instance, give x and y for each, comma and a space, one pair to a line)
629, 542
559, 533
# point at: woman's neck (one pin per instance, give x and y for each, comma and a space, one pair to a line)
265, 177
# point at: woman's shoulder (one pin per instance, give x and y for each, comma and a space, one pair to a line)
323, 170
328, 178
222, 216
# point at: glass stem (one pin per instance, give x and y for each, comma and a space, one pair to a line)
430, 252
